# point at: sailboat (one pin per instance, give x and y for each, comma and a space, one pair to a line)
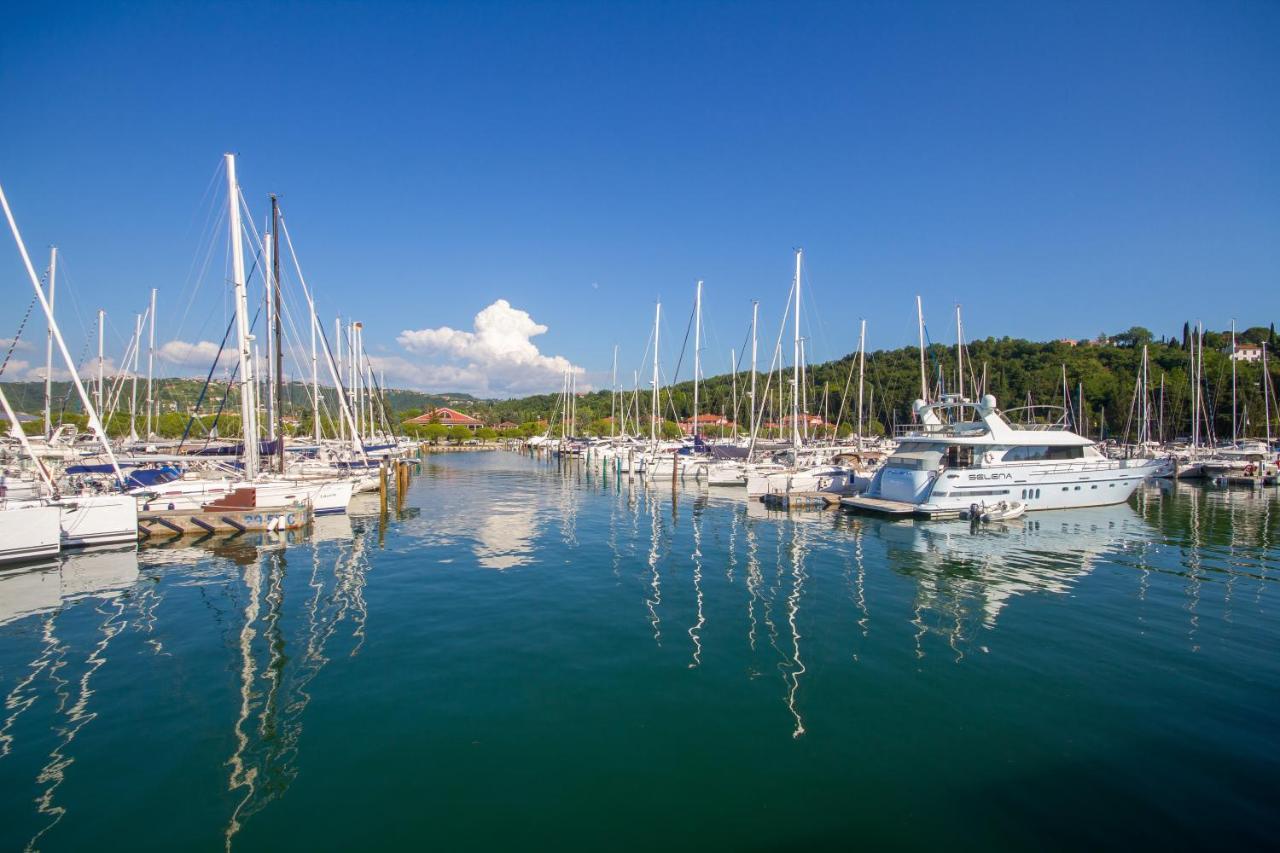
105, 517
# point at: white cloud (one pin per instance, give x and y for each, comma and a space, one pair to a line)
498, 358
5, 343
184, 354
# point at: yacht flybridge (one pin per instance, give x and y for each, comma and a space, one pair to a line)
963, 453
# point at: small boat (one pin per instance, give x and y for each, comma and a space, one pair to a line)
1002, 511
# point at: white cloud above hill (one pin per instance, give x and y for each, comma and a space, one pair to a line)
497, 358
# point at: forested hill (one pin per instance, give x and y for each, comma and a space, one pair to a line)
1017, 371
1104, 369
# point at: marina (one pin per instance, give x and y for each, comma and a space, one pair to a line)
658, 427
675, 652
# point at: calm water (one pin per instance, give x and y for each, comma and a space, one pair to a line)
522, 659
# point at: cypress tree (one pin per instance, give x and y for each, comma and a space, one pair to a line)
1186, 336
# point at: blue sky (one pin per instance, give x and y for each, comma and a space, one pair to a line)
1057, 168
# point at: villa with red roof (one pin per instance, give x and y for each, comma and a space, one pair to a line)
447, 417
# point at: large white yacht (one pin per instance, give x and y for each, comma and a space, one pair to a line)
964, 453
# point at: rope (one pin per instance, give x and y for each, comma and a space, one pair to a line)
14, 343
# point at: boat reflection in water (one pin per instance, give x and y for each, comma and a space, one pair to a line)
64, 668
274, 686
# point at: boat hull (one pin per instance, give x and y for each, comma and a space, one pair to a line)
29, 532
98, 520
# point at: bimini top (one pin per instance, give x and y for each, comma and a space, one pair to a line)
954, 420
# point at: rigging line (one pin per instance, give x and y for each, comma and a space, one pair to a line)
192, 288
13, 344
200, 399
671, 403
844, 396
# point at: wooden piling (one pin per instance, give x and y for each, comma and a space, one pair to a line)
382, 487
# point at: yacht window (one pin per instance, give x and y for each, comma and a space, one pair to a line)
1038, 453
959, 456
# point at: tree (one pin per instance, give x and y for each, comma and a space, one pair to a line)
434, 432
486, 433
1135, 336
409, 414
458, 434
1186, 336
671, 429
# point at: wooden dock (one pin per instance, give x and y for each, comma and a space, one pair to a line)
861, 503
154, 525
800, 500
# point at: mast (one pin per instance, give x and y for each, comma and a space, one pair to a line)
248, 401
1160, 423
133, 394
278, 428
1233, 382
924, 379
1144, 434
315, 380
795, 366
755, 316
653, 418
959, 354
862, 369
613, 396
268, 362
151, 365
337, 341
334, 371
102, 372
733, 365
48, 350
804, 392
1266, 392
697, 355
95, 423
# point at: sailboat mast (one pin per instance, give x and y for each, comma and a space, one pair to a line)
248, 401
1266, 393
1234, 434
924, 379
48, 349
613, 397
959, 354
862, 370
697, 354
733, 366
95, 423
755, 316
279, 353
653, 418
151, 365
133, 393
795, 366
102, 372
315, 380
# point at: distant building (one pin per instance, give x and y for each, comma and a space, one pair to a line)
1071, 342
707, 424
805, 419
1248, 352
505, 425
447, 417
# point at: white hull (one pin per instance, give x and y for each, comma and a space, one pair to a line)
821, 478
98, 520
1040, 487
28, 532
